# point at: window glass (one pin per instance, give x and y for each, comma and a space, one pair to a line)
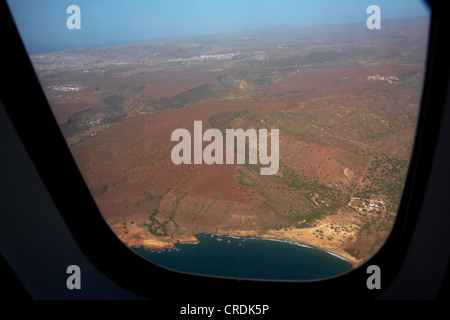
248, 139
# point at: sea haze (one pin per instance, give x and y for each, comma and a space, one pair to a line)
42, 24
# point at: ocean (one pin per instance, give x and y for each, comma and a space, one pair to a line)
248, 258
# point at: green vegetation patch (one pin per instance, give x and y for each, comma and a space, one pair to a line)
114, 100
206, 91
325, 56
90, 118
155, 227
223, 121
385, 176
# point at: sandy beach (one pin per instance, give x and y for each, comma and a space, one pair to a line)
326, 235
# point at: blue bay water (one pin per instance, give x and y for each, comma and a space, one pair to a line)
248, 258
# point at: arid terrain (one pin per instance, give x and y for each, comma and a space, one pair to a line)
344, 98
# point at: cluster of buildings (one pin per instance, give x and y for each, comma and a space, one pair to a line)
202, 57
390, 79
367, 205
66, 88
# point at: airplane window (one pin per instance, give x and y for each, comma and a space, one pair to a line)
247, 139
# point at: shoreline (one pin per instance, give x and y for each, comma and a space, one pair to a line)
321, 236
293, 243
336, 253
171, 247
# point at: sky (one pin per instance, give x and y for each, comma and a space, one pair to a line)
42, 23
